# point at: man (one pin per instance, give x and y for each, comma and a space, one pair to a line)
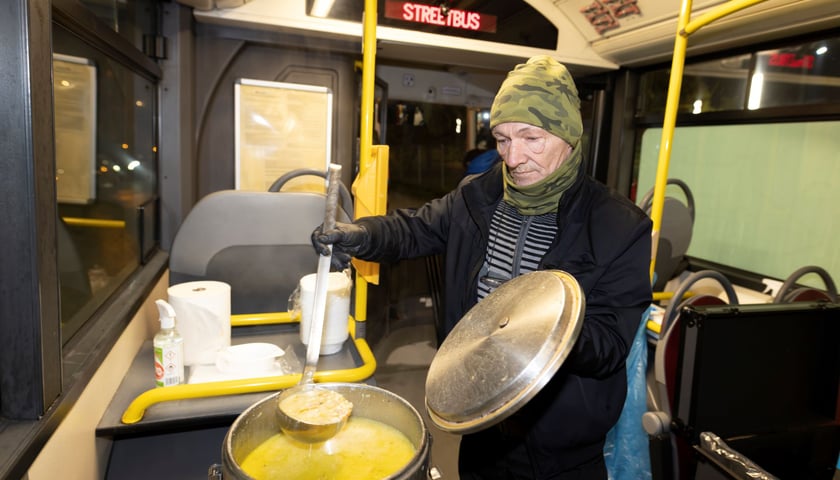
535, 210
484, 156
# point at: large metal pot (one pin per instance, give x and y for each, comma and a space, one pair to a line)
258, 423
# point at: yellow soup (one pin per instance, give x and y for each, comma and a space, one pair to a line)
363, 449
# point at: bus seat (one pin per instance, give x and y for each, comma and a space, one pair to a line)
788, 294
345, 199
674, 233
258, 242
670, 454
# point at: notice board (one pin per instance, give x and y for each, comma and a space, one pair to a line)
281, 127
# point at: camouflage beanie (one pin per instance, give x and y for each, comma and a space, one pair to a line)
542, 93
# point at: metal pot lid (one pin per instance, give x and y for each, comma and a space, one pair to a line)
503, 351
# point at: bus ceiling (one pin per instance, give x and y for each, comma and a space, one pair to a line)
589, 36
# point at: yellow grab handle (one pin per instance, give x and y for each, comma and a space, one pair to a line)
137, 408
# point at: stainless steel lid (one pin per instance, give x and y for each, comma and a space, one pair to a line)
503, 351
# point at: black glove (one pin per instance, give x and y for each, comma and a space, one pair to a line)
347, 240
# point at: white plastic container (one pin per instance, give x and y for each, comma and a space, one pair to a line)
169, 349
337, 312
248, 358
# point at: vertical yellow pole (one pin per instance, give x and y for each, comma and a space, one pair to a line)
684, 28
671, 107
366, 128
368, 80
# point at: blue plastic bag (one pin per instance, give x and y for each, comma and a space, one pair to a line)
626, 449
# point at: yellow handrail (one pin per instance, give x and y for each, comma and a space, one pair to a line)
685, 27
137, 408
368, 78
717, 13
370, 186
93, 222
654, 327
251, 319
657, 296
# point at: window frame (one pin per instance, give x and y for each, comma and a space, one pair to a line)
41, 380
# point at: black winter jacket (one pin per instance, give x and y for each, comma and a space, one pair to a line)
603, 240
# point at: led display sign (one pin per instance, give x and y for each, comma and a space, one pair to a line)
436, 15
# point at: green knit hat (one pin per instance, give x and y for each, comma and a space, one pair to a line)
542, 93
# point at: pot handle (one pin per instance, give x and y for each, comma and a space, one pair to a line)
214, 472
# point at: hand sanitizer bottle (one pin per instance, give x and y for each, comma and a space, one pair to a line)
169, 349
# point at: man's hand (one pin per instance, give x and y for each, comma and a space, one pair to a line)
347, 240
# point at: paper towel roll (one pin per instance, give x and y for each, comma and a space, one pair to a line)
202, 317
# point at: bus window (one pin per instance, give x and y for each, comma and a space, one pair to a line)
761, 192
717, 85
106, 174
805, 74
761, 183
802, 74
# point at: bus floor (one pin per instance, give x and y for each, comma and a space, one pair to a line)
403, 356
401, 332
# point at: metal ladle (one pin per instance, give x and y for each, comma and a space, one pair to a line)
296, 424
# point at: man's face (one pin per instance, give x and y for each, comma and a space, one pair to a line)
529, 152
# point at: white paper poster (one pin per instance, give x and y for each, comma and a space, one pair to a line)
281, 127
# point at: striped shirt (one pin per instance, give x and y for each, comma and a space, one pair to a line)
517, 244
